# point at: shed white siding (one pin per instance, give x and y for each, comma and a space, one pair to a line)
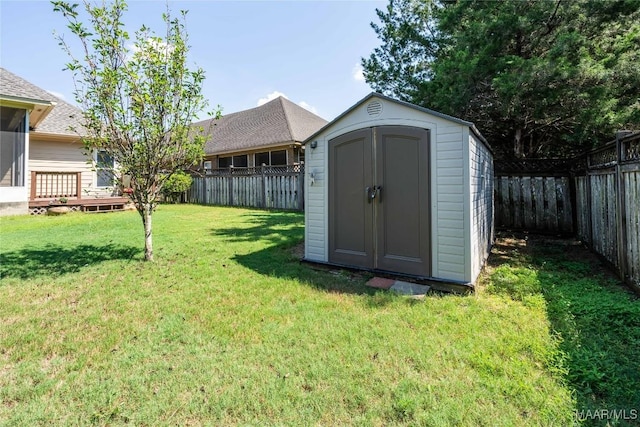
449, 250
455, 177
481, 174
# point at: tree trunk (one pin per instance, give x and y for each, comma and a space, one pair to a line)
518, 144
148, 240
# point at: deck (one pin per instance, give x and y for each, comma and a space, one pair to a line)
94, 205
49, 187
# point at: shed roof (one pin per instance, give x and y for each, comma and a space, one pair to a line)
406, 104
57, 116
277, 121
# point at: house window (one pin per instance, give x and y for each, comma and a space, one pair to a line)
235, 161
224, 162
262, 159
12, 146
104, 169
279, 158
240, 161
271, 158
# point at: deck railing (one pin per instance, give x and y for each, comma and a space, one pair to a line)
53, 185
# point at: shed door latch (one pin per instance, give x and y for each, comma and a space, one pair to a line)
372, 192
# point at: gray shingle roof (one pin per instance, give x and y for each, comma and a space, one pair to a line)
277, 121
16, 86
59, 120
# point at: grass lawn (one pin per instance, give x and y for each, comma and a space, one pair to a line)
227, 327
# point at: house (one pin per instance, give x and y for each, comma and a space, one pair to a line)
42, 158
394, 187
270, 135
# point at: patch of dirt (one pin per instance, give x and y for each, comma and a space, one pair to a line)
298, 250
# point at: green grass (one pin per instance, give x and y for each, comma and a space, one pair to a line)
596, 320
227, 327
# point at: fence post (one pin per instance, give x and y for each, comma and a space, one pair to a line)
230, 183
79, 185
573, 199
34, 183
300, 190
622, 209
589, 224
264, 186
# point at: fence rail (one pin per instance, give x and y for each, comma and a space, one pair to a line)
261, 187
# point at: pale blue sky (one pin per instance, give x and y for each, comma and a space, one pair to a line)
307, 50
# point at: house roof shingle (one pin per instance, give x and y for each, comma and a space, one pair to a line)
65, 119
58, 121
277, 121
13, 85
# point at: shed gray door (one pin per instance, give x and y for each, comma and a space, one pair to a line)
350, 209
379, 199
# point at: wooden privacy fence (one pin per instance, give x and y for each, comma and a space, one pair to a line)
608, 202
259, 187
596, 197
541, 203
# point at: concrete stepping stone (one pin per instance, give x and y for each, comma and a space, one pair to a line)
412, 289
405, 288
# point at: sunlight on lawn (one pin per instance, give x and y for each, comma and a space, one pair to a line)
228, 327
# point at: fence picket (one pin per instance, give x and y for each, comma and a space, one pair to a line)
606, 203
270, 188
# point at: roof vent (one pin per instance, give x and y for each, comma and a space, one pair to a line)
374, 108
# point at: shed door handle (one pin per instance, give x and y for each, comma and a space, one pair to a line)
377, 191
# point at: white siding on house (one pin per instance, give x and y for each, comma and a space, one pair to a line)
481, 181
64, 156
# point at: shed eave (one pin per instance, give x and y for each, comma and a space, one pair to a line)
403, 103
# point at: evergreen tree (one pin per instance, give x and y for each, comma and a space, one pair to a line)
539, 78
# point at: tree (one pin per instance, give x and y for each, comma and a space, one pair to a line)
539, 78
138, 102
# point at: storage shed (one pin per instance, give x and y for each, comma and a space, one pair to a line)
394, 187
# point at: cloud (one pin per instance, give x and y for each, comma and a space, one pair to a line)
151, 44
57, 94
273, 95
308, 107
270, 97
358, 73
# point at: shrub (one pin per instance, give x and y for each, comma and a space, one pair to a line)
175, 185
